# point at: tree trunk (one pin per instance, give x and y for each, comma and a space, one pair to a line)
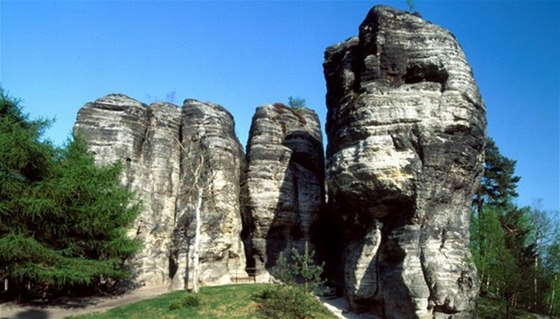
552, 297
196, 252
538, 231
535, 284
479, 210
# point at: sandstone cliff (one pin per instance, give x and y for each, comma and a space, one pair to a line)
284, 183
159, 145
406, 129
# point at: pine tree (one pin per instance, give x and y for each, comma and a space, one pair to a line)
499, 184
513, 247
301, 271
63, 220
497, 189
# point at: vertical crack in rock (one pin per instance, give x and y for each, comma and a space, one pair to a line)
283, 184
406, 128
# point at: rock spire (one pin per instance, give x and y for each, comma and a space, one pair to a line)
406, 128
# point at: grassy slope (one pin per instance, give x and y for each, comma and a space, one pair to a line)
232, 301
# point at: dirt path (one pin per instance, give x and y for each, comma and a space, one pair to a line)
79, 306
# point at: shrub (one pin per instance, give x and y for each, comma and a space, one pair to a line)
296, 102
288, 302
302, 270
186, 301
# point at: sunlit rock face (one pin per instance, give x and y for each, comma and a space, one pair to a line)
160, 146
406, 127
284, 183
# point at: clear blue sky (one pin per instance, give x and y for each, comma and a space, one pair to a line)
57, 56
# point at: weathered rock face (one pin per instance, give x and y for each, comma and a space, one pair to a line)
284, 183
160, 146
209, 145
406, 129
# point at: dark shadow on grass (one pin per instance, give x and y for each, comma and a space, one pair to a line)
32, 314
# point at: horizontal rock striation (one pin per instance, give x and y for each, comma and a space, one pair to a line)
406, 128
284, 183
158, 144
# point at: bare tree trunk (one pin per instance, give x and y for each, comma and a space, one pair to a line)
535, 285
196, 252
538, 234
552, 297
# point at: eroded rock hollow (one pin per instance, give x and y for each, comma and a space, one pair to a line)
406, 130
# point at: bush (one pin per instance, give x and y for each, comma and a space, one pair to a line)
296, 102
186, 301
289, 302
302, 270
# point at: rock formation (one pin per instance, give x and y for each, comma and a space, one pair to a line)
284, 183
160, 145
406, 127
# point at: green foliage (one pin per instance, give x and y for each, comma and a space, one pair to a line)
284, 271
289, 302
499, 183
514, 248
411, 4
302, 270
230, 301
296, 102
185, 301
63, 220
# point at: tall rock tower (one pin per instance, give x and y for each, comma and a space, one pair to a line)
284, 190
161, 145
406, 128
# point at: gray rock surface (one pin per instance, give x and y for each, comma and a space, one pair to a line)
406, 127
157, 144
284, 183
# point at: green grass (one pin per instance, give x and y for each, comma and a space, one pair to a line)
231, 301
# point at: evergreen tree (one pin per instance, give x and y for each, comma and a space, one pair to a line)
514, 248
499, 184
302, 270
63, 220
497, 189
